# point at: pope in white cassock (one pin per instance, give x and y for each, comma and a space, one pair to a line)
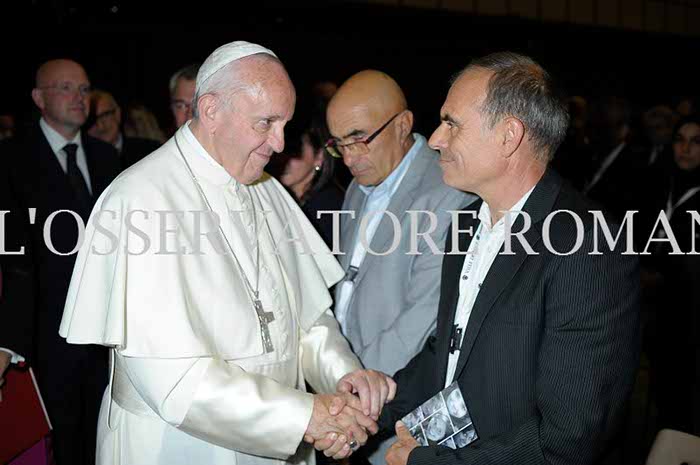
211, 289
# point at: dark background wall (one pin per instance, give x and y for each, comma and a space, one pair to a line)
131, 47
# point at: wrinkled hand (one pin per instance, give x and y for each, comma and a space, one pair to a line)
333, 445
335, 423
5, 359
400, 450
374, 388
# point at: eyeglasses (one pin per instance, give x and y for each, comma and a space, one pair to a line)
359, 147
180, 105
106, 114
68, 88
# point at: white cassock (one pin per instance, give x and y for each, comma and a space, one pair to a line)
191, 382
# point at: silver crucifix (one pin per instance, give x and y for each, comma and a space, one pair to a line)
265, 318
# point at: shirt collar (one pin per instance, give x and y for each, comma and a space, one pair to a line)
485, 212
200, 161
119, 144
392, 182
56, 140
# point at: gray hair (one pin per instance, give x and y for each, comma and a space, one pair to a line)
520, 87
188, 73
228, 81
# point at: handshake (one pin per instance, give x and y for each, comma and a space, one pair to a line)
342, 422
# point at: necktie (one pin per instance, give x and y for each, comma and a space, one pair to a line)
76, 179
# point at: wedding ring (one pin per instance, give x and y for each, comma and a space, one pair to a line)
353, 445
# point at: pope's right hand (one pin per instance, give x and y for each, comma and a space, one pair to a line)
345, 426
5, 359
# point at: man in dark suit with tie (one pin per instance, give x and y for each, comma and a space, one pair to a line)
543, 345
53, 168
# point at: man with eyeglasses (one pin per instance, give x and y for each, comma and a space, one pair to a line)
182, 86
105, 124
387, 305
54, 167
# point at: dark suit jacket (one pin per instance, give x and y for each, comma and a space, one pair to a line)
618, 188
135, 148
36, 282
550, 351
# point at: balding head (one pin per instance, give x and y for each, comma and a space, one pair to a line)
372, 91
361, 106
62, 95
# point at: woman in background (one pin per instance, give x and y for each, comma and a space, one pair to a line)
670, 282
306, 169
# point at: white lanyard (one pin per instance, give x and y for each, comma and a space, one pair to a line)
671, 207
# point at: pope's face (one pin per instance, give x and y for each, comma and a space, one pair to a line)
249, 129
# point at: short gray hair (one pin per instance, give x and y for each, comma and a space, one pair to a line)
520, 87
227, 82
188, 73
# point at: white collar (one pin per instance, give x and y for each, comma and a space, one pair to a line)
56, 140
201, 162
485, 211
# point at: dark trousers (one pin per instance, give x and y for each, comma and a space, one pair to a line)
72, 392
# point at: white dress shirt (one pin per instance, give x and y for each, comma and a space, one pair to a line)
481, 254
57, 142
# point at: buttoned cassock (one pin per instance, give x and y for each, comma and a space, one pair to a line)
191, 382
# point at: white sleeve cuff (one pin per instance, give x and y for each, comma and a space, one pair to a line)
16, 358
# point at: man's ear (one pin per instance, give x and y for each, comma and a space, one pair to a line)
38, 97
512, 133
208, 106
405, 124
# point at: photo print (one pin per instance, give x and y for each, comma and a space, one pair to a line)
443, 420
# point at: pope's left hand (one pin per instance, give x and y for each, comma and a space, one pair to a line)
400, 450
373, 387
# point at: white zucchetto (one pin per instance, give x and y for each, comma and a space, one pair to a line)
224, 55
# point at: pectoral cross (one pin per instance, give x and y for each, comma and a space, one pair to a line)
265, 318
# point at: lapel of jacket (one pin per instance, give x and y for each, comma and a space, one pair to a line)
47, 159
449, 284
504, 267
399, 203
97, 177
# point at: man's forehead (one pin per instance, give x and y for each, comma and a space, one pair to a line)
468, 91
358, 117
184, 85
267, 101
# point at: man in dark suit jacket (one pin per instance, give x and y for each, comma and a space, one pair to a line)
543, 345
53, 167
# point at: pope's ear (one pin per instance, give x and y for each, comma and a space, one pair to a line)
207, 107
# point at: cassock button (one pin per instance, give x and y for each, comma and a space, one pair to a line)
465, 277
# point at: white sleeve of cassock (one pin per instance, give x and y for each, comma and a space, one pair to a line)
222, 404
326, 355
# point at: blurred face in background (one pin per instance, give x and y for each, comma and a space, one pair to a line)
181, 101
686, 147
107, 119
300, 167
62, 94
